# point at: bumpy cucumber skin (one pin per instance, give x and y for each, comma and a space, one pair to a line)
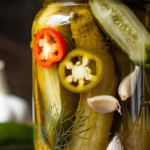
87, 36
123, 28
47, 88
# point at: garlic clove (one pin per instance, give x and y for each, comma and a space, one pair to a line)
128, 85
115, 144
104, 104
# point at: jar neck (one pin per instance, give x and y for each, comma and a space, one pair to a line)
76, 1
81, 1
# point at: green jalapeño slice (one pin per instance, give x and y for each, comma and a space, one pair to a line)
80, 71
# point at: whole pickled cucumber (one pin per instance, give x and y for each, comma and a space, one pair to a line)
48, 90
87, 36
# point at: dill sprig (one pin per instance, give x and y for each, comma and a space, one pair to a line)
53, 133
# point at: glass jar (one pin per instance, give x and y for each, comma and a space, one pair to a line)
82, 75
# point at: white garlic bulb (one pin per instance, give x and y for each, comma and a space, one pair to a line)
6, 113
104, 104
20, 109
13, 108
128, 85
115, 144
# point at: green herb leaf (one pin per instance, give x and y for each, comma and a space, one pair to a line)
52, 132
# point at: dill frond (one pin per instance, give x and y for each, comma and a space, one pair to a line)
53, 133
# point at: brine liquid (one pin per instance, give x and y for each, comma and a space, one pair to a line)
133, 125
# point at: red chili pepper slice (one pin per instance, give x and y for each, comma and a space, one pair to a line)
49, 47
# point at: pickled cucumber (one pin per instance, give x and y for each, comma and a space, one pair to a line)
123, 28
48, 90
87, 36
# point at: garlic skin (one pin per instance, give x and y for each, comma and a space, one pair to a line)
104, 104
115, 144
128, 85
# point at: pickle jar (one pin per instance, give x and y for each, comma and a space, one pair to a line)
91, 75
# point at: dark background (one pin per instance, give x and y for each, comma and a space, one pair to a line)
16, 17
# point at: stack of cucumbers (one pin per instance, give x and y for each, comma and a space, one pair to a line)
63, 117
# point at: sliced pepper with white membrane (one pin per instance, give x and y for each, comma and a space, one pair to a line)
49, 47
80, 71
